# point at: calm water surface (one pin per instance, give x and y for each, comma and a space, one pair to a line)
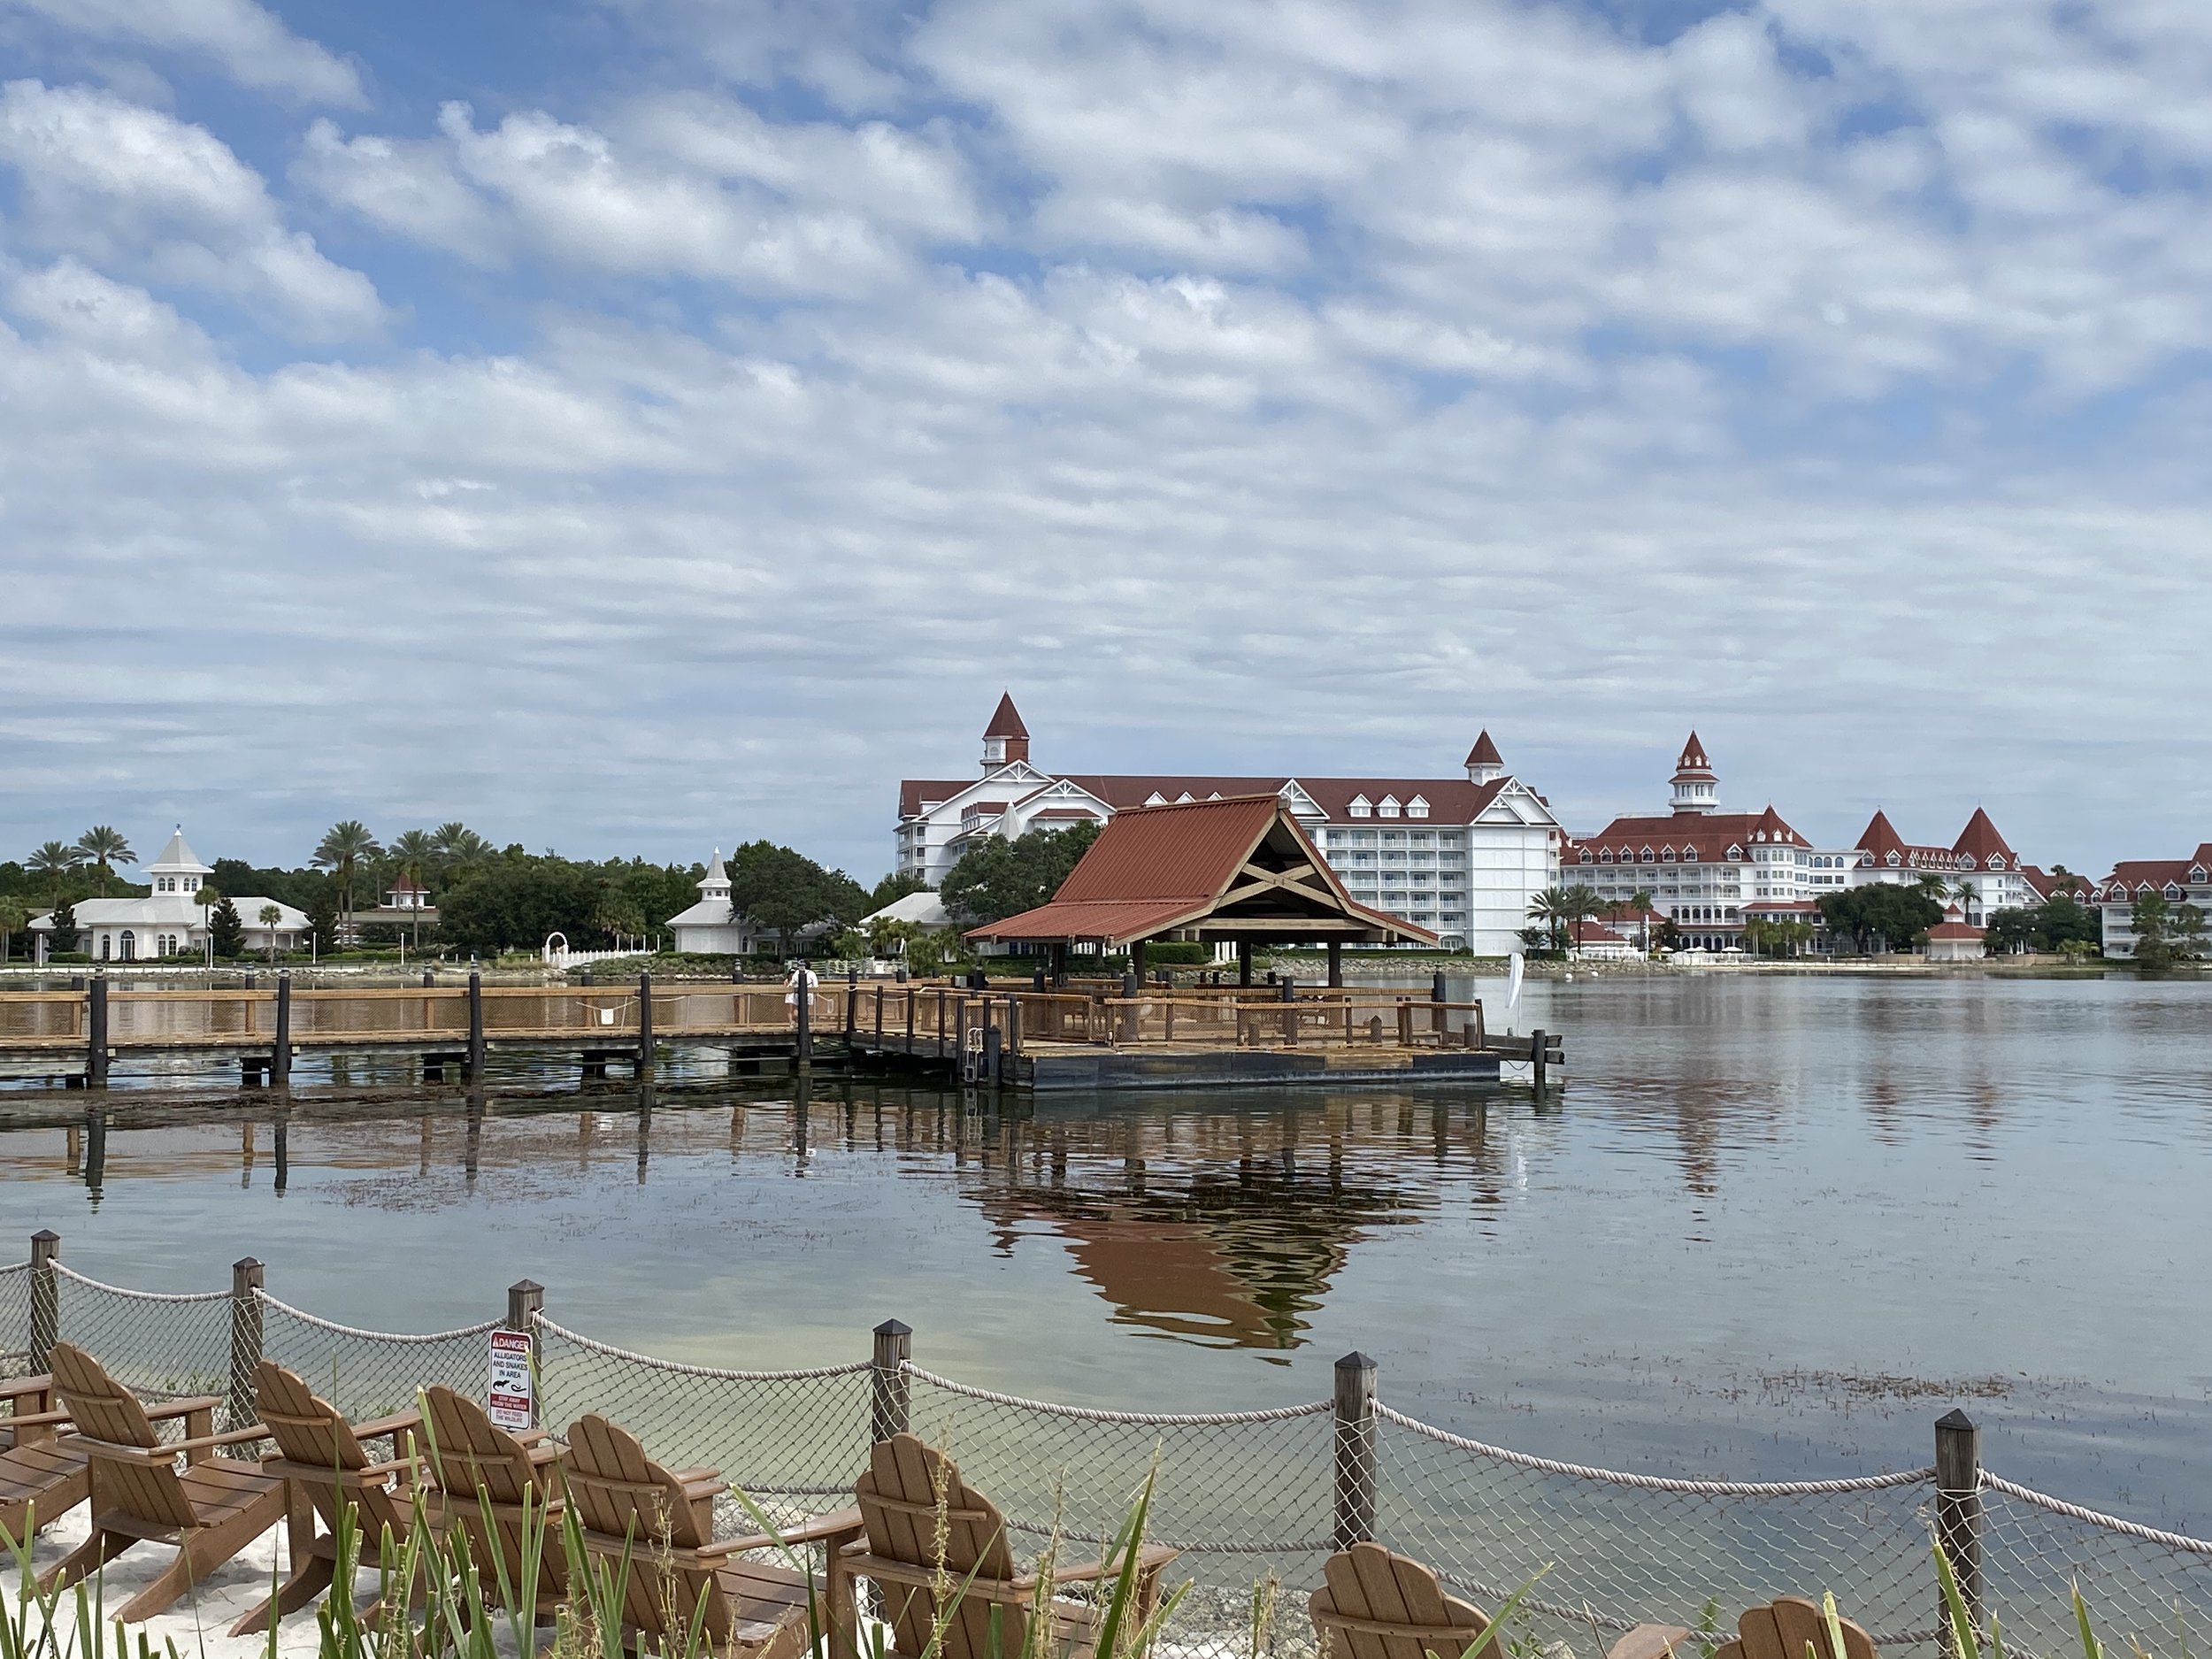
1771, 1226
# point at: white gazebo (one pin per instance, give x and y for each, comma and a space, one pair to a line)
713, 926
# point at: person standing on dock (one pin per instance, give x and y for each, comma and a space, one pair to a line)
802, 983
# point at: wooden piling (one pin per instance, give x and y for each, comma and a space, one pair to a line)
45, 1298
803, 1048
1336, 964
1958, 1510
281, 1049
888, 1389
644, 1025
1537, 1055
526, 1300
475, 1062
246, 1278
1356, 1479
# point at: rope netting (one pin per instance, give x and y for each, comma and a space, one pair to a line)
2142, 1584
15, 1320
159, 1344
370, 1373
1244, 1495
784, 1435
1624, 1550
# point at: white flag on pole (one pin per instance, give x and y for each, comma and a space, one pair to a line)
1512, 981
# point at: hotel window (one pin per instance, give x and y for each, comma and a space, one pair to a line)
1389, 807
1417, 808
1361, 809
1394, 838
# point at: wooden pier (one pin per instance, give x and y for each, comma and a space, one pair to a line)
1106, 1036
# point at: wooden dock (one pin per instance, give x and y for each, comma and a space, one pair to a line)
1106, 1036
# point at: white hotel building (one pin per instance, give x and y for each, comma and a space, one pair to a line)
1460, 856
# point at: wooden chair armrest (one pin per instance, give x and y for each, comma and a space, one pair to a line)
37, 1387
34, 1419
529, 1437
838, 1524
1150, 1559
1649, 1641
378, 1427
182, 1408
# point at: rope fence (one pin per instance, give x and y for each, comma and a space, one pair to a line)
1245, 1495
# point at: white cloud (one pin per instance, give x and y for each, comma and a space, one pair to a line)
116, 181
250, 42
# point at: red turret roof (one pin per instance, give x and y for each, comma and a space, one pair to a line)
1709, 837
1980, 841
1692, 758
1007, 720
1485, 752
1880, 838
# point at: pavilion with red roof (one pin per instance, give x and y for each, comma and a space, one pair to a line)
1238, 871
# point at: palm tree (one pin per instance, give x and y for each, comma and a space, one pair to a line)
341, 851
105, 847
458, 845
413, 850
12, 917
1640, 901
270, 917
1968, 895
54, 860
1559, 908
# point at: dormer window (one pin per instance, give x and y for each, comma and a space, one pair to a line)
1995, 862
2196, 875
2173, 890
1894, 861
1689, 855
1417, 808
1362, 807
1155, 799
1666, 854
1735, 854
1586, 857
1389, 808
1184, 798
1605, 855
1648, 856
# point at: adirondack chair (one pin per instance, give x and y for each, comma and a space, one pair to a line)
490, 1480
49, 1480
1376, 1605
899, 1512
326, 1471
1784, 1628
210, 1511
31, 1413
681, 1577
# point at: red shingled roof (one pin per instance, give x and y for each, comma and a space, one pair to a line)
1485, 752
1154, 869
1880, 838
913, 792
1692, 758
1006, 721
1980, 841
1710, 835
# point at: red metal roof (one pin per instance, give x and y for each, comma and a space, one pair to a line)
1692, 758
1980, 841
1712, 835
1954, 930
914, 791
1485, 752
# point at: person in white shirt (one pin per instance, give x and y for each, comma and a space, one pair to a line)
802, 983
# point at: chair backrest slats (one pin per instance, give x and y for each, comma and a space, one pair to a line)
1368, 1585
927, 1495
105, 1410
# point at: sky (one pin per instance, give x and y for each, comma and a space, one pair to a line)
633, 425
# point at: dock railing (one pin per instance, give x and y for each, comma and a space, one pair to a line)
1245, 1493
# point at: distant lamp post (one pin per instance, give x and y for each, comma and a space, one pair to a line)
204, 897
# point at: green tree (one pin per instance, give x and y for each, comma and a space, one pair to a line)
512, 903
227, 931
270, 915
1559, 908
894, 887
785, 892
998, 878
2148, 919
344, 848
1882, 914
1642, 900
2064, 919
105, 846
13, 917
56, 861
2010, 932
459, 847
64, 934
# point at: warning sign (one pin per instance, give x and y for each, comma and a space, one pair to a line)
508, 1393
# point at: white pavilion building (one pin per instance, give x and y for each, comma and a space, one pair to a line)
712, 927
170, 921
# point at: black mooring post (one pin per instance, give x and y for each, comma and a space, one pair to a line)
476, 1026
281, 1051
1336, 964
805, 992
96, 1075
645, 1024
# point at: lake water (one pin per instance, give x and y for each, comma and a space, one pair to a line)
1771, 1226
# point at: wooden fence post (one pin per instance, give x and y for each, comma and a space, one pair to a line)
246, 1278
645, 1024
476, 1026
45, 1298
888, 1394
1958, 1508
281, 1051
526, 1300
1354, 1449
95, 1072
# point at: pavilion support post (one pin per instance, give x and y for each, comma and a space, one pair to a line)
1336, 964
1136, 959
1244, 962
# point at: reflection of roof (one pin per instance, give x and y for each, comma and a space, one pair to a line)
1240, 865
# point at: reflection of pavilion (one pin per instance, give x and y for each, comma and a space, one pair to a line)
1224, 1229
